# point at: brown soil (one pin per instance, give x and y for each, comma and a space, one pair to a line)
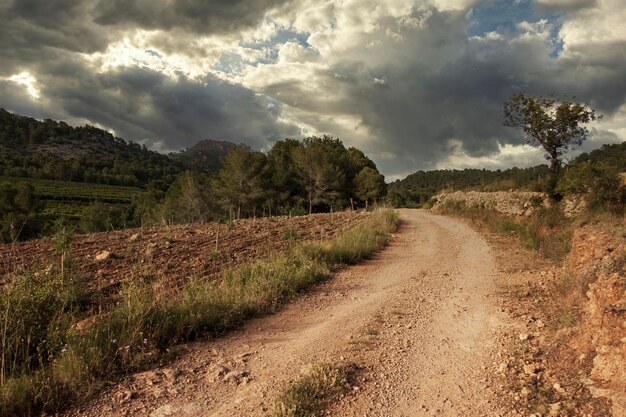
445, 322
420, 320
174, 252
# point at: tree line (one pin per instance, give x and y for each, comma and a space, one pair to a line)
316, 174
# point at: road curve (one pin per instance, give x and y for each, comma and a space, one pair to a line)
419, 319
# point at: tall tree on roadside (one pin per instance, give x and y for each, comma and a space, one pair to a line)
553, 124
322, 176
283, 173
370, 185
188, 200
239, 184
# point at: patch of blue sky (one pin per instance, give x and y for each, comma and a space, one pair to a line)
282, 36
503, 17
230, 63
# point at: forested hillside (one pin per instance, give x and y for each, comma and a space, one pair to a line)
204, 156
53, 174
54, 150
612, 155
420, 186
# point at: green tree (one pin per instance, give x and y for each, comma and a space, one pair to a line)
555, 125
239, 184
188, 200
321, 174
19, 209
370, 185
283, 173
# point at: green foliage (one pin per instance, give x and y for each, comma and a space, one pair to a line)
599, 183
318, 174
319, 163
552, 124
95, 207
239, 185
418, 188
370, 185
291, 233
100, 157
36, 314
205, 156
612, 155
188, 200
357, 244
284, 174
100, 217
19, 210
548, 231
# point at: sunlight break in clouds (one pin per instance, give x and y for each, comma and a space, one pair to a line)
25, 79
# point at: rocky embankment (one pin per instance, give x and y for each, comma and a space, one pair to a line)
510, 203
570, 354
598, 257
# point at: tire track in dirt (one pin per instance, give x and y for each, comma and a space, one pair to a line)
419, 318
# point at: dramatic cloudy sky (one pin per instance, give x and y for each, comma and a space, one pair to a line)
416, 84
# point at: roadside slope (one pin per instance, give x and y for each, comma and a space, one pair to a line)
419, 319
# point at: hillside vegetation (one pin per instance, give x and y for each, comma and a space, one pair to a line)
54, 150
596, 166
48, 170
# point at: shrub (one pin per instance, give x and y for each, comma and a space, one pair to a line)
317, 386
600, 184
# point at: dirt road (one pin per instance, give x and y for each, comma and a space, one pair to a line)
419, 319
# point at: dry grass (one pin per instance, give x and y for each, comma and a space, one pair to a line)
548, 231
48, 360
317, 387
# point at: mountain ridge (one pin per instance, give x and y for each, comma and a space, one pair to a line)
50, 149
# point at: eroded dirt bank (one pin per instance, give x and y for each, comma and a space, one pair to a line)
420, 320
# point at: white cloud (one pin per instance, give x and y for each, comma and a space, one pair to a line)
594, 26
446, 5
506, 157
294, 52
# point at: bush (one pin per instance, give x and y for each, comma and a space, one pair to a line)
600, 184
317, 387
19, 212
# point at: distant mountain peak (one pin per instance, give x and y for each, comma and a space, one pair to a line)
205, 155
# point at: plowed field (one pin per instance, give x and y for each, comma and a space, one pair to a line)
173, 253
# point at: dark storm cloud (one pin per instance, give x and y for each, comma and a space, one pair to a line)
33, 32
561, 6
147, 106
47, 39
200, 16
452, 89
